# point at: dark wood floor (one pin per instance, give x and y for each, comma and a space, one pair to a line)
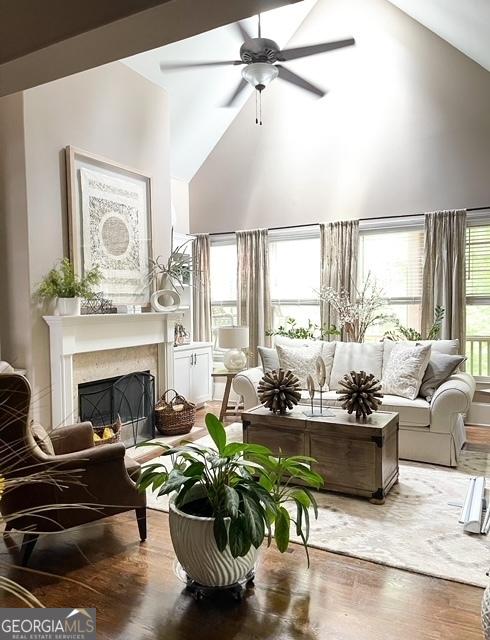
139, 597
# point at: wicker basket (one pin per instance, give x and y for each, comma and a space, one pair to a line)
174, 415
116, 430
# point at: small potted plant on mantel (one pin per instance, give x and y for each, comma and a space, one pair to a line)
226, 499
62, 284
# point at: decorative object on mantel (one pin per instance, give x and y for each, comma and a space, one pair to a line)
361, 393
181, 334
174, 415
109, 210
109, 434
177, 271
357, 312
235, 339
165, 300
279, 391
61, 283
97, 305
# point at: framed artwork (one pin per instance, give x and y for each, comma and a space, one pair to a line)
110, 223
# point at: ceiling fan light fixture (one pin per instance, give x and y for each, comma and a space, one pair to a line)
260, 74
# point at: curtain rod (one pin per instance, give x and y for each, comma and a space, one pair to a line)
317, 224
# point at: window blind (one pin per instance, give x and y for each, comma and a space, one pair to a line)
478, 264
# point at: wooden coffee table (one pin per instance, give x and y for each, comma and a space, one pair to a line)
353, 456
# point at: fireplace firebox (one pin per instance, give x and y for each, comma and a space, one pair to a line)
130, 398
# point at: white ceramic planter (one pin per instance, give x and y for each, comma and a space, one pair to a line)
196, 550
68, 306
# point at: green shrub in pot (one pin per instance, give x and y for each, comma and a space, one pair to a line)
238, 489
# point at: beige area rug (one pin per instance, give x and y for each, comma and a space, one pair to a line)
416, 529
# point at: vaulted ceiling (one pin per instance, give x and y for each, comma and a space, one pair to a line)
197, 119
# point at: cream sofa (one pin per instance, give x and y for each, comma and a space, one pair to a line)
432, 432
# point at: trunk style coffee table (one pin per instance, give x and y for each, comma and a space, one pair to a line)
357, 457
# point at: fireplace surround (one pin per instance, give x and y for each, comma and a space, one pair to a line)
71, 335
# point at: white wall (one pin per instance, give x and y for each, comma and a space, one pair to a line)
405, 128
111, 111
179, 190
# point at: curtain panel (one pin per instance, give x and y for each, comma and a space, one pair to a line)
444, 279
254, 300
339, 247
201, 292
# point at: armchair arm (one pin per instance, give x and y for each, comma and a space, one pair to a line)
87, 457
245, 384
75, 437
450, 400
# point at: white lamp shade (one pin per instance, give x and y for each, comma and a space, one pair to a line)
259, 74
233, 337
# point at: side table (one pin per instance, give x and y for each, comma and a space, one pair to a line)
226, 408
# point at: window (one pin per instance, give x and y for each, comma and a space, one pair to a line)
294, 261
478, 299
223, 266
394, 258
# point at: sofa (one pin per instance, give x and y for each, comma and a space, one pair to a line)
431, 431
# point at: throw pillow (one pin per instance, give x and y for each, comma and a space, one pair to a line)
300, 360
354, 356
42, 438
440, 367
405, 370
268, 358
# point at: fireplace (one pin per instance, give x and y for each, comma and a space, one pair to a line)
130, 397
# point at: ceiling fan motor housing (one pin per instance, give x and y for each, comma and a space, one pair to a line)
259, 50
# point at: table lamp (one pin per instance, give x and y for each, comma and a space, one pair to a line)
234, 339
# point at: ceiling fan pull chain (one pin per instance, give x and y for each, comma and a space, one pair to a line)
256, 107
260, 108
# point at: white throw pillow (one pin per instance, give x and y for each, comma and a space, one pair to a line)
404, 371
355, 356
450, 347
300, 360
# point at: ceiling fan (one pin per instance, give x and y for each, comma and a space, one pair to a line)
261, 57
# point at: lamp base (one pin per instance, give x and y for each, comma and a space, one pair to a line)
235, 360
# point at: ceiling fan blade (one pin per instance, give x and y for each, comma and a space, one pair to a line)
313, 49
174, 66
293, 78
239, 88
243, 31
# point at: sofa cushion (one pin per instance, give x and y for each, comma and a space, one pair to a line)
405, 369
300, 360
412, 413
268, 358
353, 356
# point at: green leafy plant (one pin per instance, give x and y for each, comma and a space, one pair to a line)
407, 333
61, 282
311, 332
240, 481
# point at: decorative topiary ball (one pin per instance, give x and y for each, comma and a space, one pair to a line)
279, 391
361, 392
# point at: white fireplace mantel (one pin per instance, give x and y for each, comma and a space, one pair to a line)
69, 335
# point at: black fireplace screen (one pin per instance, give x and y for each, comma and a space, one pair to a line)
130, 397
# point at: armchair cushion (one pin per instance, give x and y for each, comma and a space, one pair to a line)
41, 438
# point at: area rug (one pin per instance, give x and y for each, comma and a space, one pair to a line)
416, 529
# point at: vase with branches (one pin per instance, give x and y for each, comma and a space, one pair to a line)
359, 311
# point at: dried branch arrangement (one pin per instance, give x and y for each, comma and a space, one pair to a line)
279, 391
361, 392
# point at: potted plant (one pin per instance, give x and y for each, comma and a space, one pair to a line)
62, 284
226, 499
